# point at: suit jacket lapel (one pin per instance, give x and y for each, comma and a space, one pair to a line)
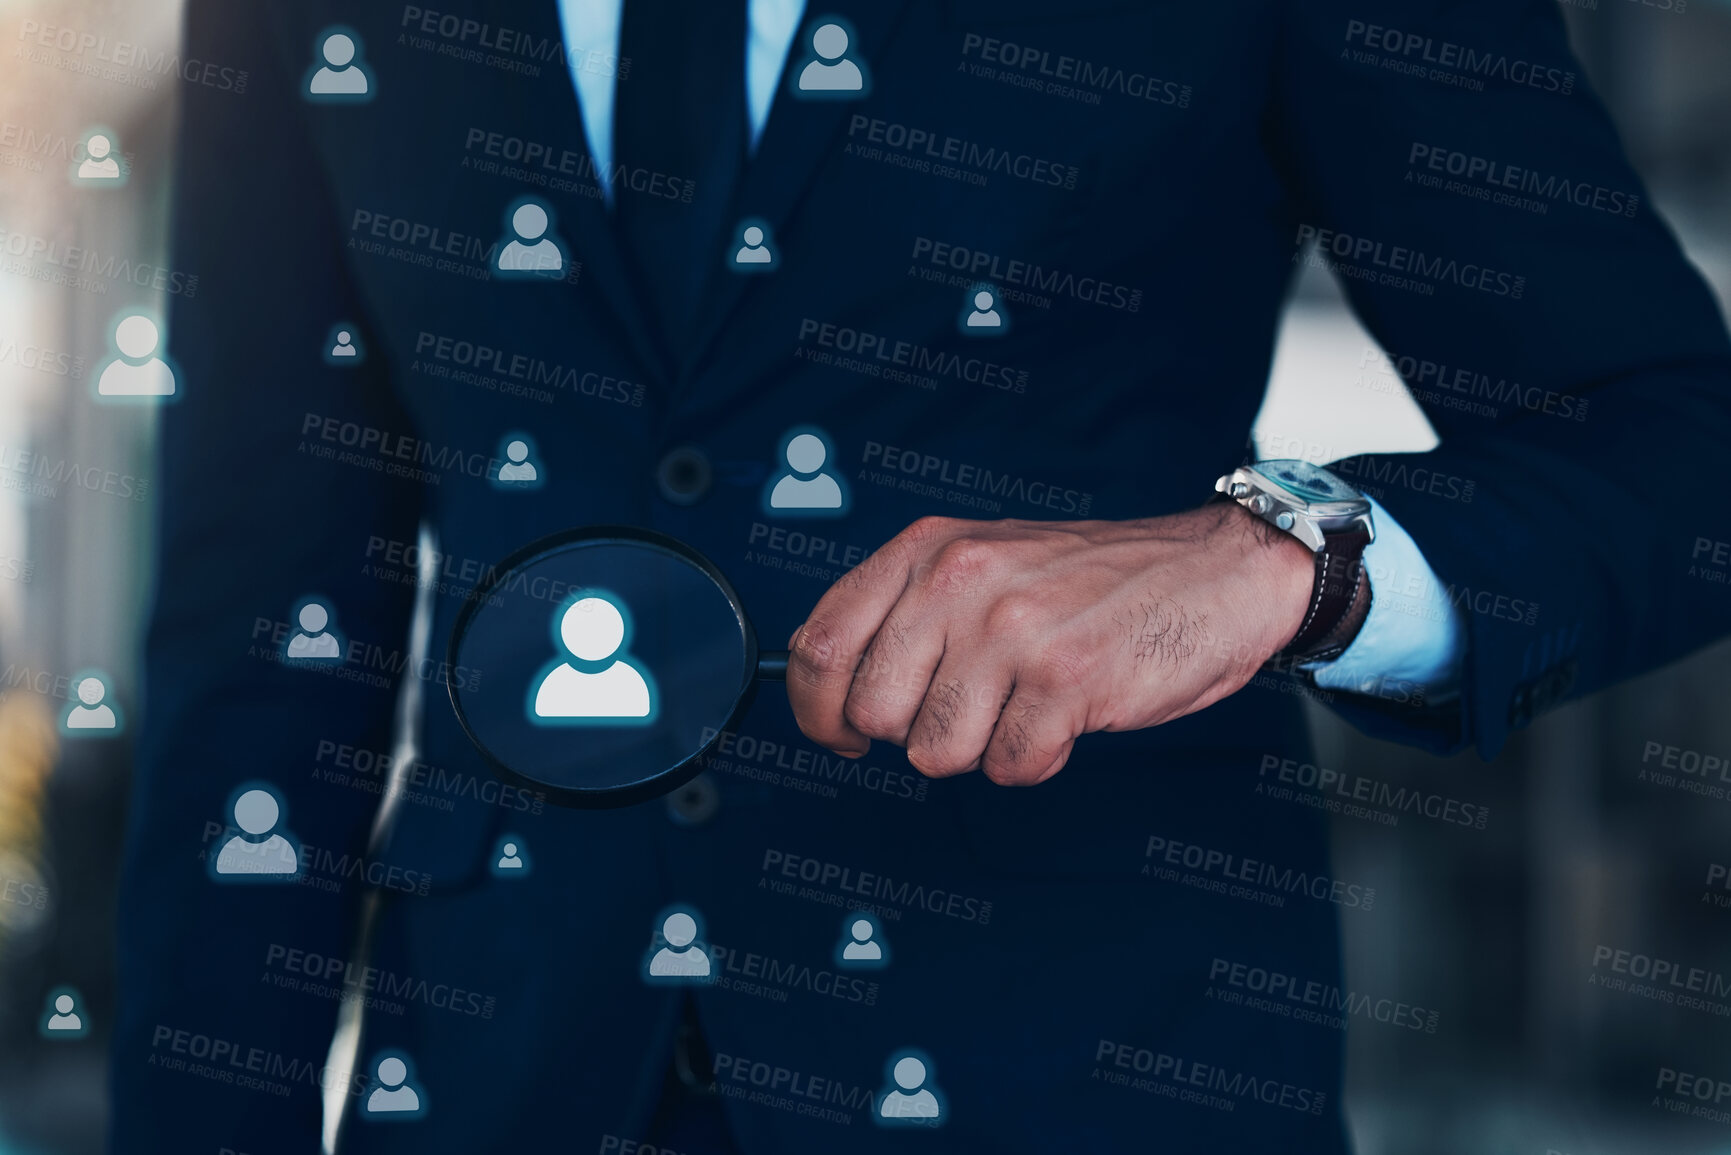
798, 138
548, 108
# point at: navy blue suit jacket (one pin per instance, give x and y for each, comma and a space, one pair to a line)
1141, 179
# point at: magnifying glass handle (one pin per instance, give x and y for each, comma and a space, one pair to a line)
772, 665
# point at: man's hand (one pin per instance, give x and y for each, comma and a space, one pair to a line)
995, 644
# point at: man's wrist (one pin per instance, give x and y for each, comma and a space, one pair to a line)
1275, 569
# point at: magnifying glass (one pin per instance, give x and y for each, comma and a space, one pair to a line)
608, 661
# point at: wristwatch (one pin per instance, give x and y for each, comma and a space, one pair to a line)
1333, 519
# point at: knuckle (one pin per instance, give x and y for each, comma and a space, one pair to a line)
817, 647
1011, 615
938, 759
1061, 665
927, 529
960, 565
874, 715
1001, 771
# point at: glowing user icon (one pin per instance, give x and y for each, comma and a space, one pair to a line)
805, 487
832, 73
261, 850
862, 945
681, 958
61, 1018
396, 1096
342, 348
100, 166
981, 316
341, 77
912, 1100
91, 712
314, 641
756, 252
138, 371
518, 469
530, 252
511, 860
595, 684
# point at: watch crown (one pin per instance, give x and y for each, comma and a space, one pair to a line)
1285, 520
1260, 503
1221, 482
1238, 489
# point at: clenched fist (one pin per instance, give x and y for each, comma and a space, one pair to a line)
994, 645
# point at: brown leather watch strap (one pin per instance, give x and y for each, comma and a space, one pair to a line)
1339, 600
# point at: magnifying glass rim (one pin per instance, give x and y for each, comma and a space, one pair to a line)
656, 785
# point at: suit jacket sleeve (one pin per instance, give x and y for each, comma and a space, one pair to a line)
1567, 520
253, 518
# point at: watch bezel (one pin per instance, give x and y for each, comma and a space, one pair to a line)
1312, 520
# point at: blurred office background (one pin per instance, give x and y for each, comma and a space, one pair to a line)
1493, 929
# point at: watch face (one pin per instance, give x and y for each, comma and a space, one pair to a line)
1307, 481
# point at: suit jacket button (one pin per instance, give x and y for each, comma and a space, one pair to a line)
684, 475
694, 803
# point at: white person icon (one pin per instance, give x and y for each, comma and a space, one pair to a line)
63, 1017
529, 251
829, 73
597, 683
99, 166
806, 484
262, 851
397, 1095
683, 959
140, 370
93, 714
911, 1100
337, 75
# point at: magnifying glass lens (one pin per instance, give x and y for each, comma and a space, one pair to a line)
602, 665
